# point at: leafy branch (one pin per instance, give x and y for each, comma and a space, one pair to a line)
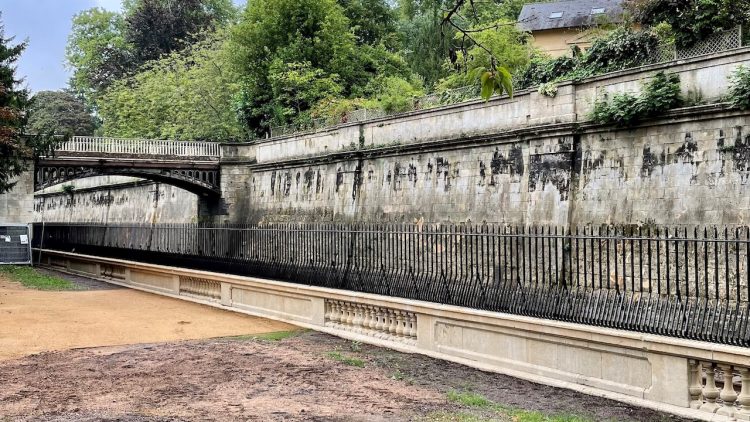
497, 78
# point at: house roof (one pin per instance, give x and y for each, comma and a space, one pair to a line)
568, 14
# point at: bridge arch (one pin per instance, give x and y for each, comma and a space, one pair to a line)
204, 182
189, 165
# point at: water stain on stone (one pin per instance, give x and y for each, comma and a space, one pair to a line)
309, 175
551, 168
511, 165
288, 182
686, 152
318, 182
651, 161
339, 179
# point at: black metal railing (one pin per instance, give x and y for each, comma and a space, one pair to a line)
689, 283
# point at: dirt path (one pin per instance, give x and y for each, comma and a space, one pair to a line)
295, 379
306, 377
33, 321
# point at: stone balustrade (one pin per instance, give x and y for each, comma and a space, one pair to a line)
91, 144
374, 321
200, 287
684, 378
732, 400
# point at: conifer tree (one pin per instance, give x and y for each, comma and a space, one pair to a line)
17, 151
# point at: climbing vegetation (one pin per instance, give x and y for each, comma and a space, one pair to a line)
739, 90
691, 21
659, 94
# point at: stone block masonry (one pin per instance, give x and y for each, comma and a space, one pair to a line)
527, 160
16, 206
116, 199
688, 168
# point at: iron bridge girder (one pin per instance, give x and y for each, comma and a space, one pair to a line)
200, 178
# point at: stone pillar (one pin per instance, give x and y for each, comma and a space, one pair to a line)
211, 210
17, 205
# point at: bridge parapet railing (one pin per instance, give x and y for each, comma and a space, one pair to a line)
147, 147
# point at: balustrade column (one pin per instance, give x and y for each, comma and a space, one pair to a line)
392, 323
357, 321
744, 398
399, 324
379, 321
373, 317
710, 392
696, 384
412, 325
728, 395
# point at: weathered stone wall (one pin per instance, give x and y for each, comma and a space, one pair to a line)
527, 160
16, 206
116, 199
705, 77
689, 168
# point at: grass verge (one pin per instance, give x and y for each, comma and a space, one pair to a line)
346, 360
476, 401
33, 279
274, 336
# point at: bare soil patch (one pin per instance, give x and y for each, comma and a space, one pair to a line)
282, 376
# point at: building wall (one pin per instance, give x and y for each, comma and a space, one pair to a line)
557, 42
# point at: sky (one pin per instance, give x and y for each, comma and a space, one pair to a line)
46, 25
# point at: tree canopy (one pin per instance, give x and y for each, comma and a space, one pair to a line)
692, 20
61, 113
186, 95
105, 47
294, 53
158, 27
97, 51
195, 69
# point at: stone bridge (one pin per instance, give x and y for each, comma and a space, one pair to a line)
193, 166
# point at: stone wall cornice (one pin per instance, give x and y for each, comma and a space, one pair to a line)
686, 114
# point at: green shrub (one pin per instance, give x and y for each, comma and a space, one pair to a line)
542, 70
691, 20
620, 49
739, 89
660, 94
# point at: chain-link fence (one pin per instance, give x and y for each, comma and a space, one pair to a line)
15, 247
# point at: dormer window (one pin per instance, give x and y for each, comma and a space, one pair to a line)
597, 11
556, 15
